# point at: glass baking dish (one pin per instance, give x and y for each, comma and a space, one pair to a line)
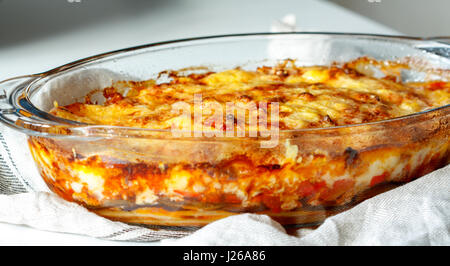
120, 172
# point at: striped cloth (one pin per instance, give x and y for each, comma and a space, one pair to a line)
25, 199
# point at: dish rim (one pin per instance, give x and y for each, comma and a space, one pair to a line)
90, 130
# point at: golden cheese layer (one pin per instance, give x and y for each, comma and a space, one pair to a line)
308, 97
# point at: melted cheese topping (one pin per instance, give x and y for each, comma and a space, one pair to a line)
308, 97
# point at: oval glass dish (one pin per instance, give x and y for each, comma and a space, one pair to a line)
150, 176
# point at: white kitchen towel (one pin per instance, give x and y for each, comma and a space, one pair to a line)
417, 213
26, 200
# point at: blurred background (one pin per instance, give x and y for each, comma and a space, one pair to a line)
410, 17
37, 35
23, 20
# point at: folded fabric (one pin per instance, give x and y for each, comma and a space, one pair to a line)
417, 213
46, 211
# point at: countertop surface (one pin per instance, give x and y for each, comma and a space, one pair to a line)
27, 49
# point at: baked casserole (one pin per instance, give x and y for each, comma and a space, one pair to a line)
254, 179
167, 150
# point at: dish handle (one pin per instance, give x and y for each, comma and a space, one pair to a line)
444, 39
440, 50
10, 112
